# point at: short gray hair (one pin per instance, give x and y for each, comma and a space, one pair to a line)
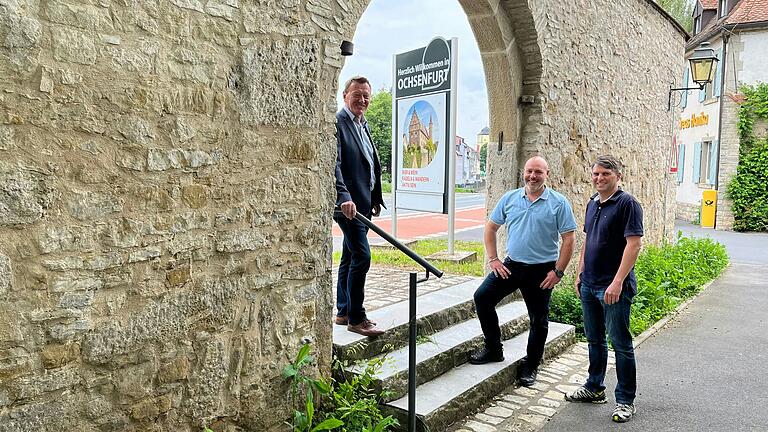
356, 79
609, 162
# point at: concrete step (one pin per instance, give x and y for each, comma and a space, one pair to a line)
436, 311
444, 350
451, 396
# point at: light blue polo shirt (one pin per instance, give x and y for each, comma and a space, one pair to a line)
533, 228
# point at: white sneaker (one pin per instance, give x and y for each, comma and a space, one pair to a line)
623, 412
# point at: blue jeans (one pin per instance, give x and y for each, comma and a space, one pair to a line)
354, 265
599, 317
527, 278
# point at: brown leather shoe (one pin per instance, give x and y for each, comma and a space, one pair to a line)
366, 328
344, 320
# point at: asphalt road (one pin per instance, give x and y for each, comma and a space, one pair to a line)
430, 223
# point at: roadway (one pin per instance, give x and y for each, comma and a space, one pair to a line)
416, 225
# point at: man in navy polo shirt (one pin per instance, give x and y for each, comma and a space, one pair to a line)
606, 285
536, 218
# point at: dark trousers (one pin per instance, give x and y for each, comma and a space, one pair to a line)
527, 278
600, 318
354, 265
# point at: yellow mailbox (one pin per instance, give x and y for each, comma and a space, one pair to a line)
708, 207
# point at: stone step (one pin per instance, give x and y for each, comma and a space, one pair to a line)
444, 350
460, 391
436, 311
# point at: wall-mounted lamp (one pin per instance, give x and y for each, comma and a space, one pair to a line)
347, 48
702, 68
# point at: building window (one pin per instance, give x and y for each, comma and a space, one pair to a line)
697, 25
723, 8
705, 161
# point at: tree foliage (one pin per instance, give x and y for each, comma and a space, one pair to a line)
483, 157
680, 10
379, 116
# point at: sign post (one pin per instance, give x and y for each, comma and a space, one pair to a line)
424, 127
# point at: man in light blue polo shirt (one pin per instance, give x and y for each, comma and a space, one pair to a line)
536, 218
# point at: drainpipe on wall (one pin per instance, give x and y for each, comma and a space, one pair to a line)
725, 37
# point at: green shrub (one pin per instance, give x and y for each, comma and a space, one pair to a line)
666, 276
350, 405
386, 187
749, 188
566, 306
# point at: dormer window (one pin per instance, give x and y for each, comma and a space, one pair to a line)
722, 9
697, 24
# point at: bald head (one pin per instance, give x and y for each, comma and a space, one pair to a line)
537, 161
535, 174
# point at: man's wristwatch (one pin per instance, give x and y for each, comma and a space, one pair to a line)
559, 273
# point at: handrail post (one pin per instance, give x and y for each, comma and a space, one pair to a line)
412, 354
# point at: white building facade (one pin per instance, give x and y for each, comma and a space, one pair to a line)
707, 142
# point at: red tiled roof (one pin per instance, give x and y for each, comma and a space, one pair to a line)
748, 11
745, 12
708, 4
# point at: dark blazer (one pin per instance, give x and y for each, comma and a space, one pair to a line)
353, 170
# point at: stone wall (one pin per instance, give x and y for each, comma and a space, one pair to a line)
605, 85
165, 202
166, 186
599, 86
688, 212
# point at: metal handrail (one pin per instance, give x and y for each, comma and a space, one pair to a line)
396, 243
412, 330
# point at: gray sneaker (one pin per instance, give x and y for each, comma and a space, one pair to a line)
583, 394
623, 412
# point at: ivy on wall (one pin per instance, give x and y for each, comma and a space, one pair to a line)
749, 188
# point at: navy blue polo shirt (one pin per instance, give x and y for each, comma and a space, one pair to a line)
607, 226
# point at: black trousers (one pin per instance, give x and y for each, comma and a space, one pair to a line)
527, 278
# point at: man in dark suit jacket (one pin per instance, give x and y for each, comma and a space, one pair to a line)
358, 190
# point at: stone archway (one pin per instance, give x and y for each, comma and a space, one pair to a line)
166, 175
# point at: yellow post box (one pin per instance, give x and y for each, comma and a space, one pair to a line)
708, 208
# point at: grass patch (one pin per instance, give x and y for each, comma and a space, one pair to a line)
395, 258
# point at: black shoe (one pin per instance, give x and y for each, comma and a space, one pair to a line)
483, 356
527, 376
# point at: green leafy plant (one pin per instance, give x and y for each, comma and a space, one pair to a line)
356, 398
303, 419
666, 276
565, 306
351, 404
749, 187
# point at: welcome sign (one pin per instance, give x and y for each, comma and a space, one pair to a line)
424, 124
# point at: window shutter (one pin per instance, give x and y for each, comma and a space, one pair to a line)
696, 162
680, 162
713, 162
703, 93
684, 97
718, 74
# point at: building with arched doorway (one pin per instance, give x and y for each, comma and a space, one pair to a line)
166, 185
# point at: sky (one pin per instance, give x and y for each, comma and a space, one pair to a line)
394, 26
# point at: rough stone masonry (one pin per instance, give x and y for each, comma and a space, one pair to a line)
166, 184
